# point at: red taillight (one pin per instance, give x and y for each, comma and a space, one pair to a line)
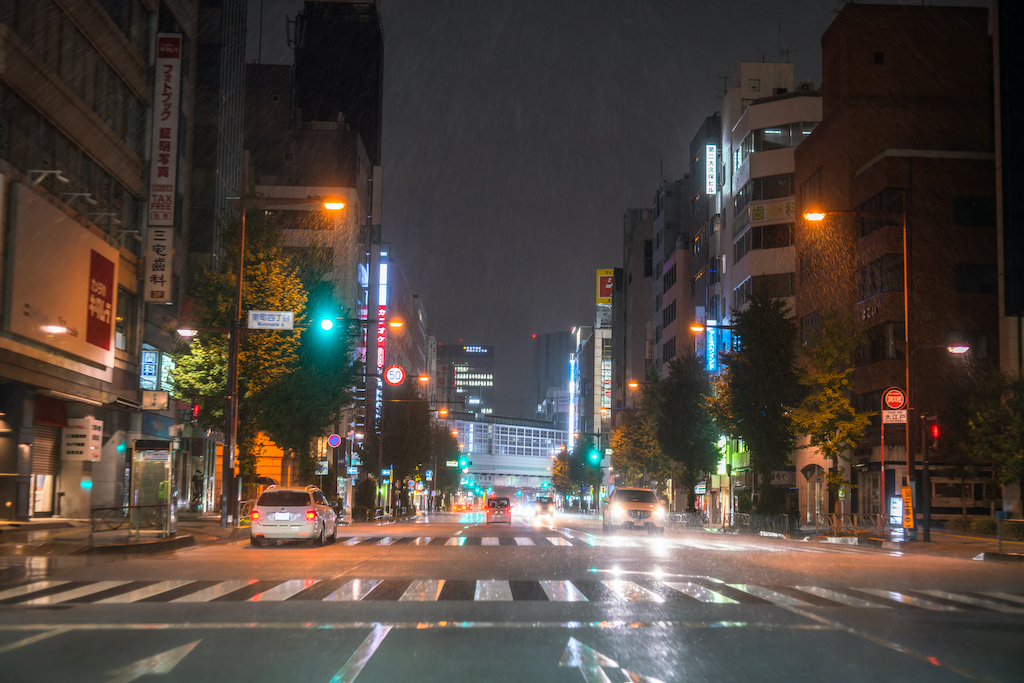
255, 515
310, 515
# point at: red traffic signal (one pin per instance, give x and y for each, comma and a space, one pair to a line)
935, 431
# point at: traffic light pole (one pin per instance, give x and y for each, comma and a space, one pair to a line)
926, 482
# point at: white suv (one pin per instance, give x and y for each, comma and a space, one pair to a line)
633, 508
287, 514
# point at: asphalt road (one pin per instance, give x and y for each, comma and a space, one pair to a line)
453, 599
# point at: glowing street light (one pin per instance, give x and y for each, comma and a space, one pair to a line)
696, 328
959, 348
815, 216
395, 324
332, 205
424, 378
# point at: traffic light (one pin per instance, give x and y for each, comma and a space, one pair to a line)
592, 456
932, 432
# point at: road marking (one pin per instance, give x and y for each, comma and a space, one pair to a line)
841, 598
145, 592
423, 540
29, 588
489, 540
896, 596
354, 666
79, 592
631, 592
157, 664
591, 664
387, 540
977, 602
354, 541
520, 540
456, 540
562, 591
423, 590
33, 639
1006, 596
699, 592
558, 540
354, 590
770, 595
283, 591
492, 590
217, 591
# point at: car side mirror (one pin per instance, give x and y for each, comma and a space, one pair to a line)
335, 505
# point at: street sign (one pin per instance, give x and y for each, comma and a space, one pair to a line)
451, 463
271, 320
891, 417
394, 375
894, 398
385, 473
321, 466
908, 507
430, 473
353, 470
334, 441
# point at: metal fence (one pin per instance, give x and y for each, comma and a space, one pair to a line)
850, 522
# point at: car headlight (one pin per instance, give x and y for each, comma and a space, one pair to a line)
617, 509
660, 513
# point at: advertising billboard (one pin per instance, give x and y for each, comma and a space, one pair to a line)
163, 172
710, 169
605, 280
63, 281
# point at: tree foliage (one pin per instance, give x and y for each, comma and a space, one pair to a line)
759, 389
686, 432
826, 413
634, 443
997, 429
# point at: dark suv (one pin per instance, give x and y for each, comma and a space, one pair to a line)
544, 506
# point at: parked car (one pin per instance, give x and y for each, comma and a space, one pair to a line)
633, 508
499, 510
291, 514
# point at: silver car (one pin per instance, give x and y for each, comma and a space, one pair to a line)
290, 514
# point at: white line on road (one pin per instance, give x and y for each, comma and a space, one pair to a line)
80, 592
492, 590
354, 666
29, 588
520, 540
142, 593
33, 639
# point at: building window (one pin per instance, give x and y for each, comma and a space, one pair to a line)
975, 278
810, 325
890, 199
648, 258
880, 344
668, 350
974, 211
767, 187
670, 278
668, 314
880, 276
124, 326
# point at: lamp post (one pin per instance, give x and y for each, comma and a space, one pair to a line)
229, 494
817, 215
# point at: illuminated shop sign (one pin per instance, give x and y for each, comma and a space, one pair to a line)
710, 169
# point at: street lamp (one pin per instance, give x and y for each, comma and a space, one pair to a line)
395, 324
817, 215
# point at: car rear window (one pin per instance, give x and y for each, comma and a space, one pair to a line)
284, 498
543, 499
498, 503
635, 496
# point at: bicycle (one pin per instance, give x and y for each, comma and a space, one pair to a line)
110, 518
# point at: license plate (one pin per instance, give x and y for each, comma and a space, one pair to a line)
282, 516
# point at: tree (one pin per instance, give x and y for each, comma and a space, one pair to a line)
685, 430
826, 413
758, 390
265, 357
634, 446
997, 430
561, 477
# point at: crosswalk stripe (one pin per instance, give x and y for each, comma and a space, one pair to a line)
631, 592
79, 592
423, 590
456, 540
29, 588
490, 540
562, 591
1005, 596
699, 592
353, 541
978, 602
909, 600
354, 590
522, 540
492, 590
387, 540
144, 592
558, 540
841, 598
771, 595
423, 540
283, 591
216, 591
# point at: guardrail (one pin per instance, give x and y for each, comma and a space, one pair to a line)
849, 522
137, 518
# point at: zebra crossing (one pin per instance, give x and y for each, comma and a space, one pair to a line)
690, 589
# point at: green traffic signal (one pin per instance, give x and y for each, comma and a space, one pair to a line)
326, 324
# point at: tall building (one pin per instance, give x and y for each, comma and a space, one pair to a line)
671, 270
906, 129
85, 371
632, 328
551, 362
465, 376
339, 67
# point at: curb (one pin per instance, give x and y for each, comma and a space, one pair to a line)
22, 528
1000, 557
145, 547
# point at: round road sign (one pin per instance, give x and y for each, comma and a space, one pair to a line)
894, 398
334, 441
394, 375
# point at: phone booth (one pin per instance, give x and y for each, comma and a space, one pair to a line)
154, 507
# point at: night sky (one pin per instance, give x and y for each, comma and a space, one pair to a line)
516, 134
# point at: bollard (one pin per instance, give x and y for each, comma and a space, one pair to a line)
1000, 517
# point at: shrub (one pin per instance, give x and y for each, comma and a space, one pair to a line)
958, 523
1014, 529
366, 493
983, 525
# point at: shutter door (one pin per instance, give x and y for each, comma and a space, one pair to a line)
46, 449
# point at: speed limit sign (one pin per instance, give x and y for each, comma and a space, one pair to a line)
394, 375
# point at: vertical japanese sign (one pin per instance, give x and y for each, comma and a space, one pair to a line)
159, 249
710, 169
605, 281
166, 100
